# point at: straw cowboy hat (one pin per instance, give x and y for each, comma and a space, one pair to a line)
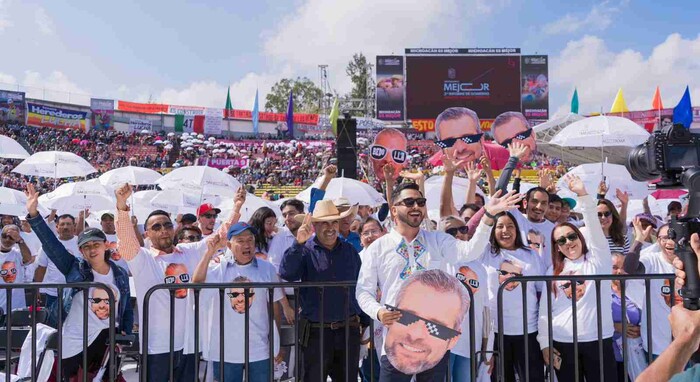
326, 211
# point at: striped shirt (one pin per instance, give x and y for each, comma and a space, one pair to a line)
618, 248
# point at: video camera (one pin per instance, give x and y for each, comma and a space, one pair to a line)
673, 154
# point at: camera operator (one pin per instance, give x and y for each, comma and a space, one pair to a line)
685, 325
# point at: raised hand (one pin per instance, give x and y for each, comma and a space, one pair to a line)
498, 203
330, 171
517, 150
239, 198
448, 161
32, 200
214, 244
123, 193
417, 177
575, 184
623, 197
305, 232
14, 234
602, 188
641, 235
388, 171
545, 178
485, 163
473, 173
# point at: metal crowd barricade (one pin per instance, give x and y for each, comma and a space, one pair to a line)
573, 278
32, 305
349, 290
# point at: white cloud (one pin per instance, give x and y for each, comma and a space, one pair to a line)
54, 87
43, 21
4, 17
599, 18
598, 73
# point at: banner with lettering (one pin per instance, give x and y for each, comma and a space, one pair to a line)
137, 125
102, 114
225, 162
144, 108
12, 107
213, 121
39, 115
390, 88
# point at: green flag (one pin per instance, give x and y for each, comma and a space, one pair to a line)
574, 102
228, 110
335, 111
179, 123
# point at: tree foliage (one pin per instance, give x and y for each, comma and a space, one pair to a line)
307, 96
360, 73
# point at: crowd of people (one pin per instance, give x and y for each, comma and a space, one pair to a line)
412, 279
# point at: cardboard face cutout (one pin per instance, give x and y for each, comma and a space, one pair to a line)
9, 272
99, 303
512, 127
389, 147
507, 270
459, 133
177, 274
237, 296
569, 288
666, 292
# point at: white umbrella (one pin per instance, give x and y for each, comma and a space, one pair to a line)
433, 190
180, 201
616, 175
601, 131
355, 191
55, 164
252, 204
204, 179
130, 174
9, 148
12, 202
558, 121
77, 196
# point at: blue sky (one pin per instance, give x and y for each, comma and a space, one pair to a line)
188, 53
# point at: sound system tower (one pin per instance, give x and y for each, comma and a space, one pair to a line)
346, 147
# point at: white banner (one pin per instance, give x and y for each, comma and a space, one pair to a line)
137, 125
213, 121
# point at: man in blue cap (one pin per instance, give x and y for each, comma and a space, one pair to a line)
242, 267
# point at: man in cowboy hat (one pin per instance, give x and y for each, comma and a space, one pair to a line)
325, 257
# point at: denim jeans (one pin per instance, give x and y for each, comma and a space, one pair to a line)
461, 368
233, 372
159, 367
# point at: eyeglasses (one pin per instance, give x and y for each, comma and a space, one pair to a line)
410, 202
210, 216
236, 294
5, 272
378, 152
99, 300
185, 278
464, 280
193, 238
537, 245
453, 231
371, 232
605, 214
567, 284
158, 226
434, 329
506, 273
468, 139
570, 237
520, 136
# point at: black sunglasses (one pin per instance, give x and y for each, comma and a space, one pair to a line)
193, 238
453, 231
410, 202
99, 300
378, 152
434, 329
468, 139
506, 273
158, 226
236, 294
470, 282
210, 216
520, 136
567, 284
185, 278
570, 237
605, 214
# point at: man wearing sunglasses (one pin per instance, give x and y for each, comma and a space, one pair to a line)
458, 131
149, 267
408, 250
244, 267
206, 218
512, 126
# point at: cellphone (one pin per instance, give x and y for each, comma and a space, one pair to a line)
557, 361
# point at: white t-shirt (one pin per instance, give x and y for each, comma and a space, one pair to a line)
98, 316
11, 272
655, 263
481, 298
544, 227
527, 263
278, 245
234, 315
53, 275
149, 269
112, 244
598, 261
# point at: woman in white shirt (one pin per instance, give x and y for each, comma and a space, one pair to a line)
507, 257
574, 253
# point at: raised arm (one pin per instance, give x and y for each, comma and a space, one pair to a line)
292, 265
126, 235
238, 202
486, 165
632, 265
389, 181
473, 175
517, 151
53, 247
598, 247
447, 205
317, 194
624, 199
214, 243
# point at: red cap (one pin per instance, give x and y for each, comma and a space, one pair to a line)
206, 207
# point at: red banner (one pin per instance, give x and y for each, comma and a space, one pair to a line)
428, 125
305, 119
146, 108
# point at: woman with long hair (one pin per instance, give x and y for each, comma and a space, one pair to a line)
508, 256
574, 253
613, 227
264, 221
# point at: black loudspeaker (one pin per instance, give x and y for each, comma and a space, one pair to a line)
346, 151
